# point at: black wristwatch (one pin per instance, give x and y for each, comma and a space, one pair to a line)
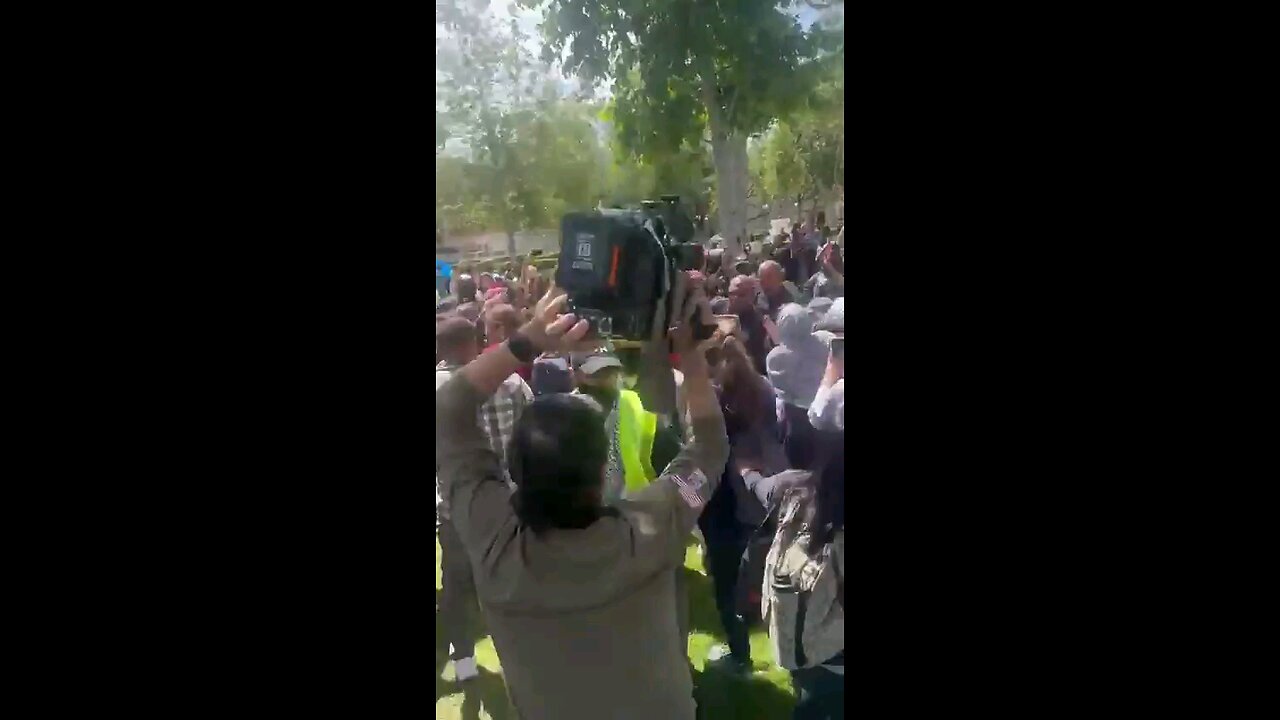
522, 347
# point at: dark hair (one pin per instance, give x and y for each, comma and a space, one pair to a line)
821, 492
452, 334
827, 509
554, 488
743, 394
714, 259
801, 447
809, 255
466, 288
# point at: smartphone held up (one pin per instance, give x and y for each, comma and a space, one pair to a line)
728, 324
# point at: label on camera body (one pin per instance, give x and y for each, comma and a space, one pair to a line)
582, 259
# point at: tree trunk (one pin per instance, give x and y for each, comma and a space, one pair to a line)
729, 149
511, 244
730, 153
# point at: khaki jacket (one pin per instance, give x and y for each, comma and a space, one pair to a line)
584, 621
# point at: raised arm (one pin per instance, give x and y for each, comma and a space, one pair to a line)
708, 450
471, 479
656, 383
692, 477
809, 289
826, 412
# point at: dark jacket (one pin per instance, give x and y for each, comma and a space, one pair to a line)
758, 444
757, 340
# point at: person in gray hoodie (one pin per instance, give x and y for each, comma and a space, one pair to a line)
796, 367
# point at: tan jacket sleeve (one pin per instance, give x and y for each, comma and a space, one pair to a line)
471, 480
658, 519
687, 483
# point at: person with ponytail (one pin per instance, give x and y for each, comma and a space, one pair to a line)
806, 515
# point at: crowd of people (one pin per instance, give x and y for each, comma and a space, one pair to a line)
571, 476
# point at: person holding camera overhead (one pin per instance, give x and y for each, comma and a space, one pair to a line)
580, 596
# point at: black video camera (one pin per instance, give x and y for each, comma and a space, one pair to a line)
616, 265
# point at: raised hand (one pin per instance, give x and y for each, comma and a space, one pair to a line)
695, 308
550, 331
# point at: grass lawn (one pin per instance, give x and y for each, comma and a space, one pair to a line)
765, 695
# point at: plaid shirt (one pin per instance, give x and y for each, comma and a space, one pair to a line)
497, 417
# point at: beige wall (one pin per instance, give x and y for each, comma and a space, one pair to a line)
495, 244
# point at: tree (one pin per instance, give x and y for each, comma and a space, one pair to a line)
561, 161
689, 70
484, 75
462, 196
802, 158
557, 162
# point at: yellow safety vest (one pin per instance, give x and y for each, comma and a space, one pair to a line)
636, 428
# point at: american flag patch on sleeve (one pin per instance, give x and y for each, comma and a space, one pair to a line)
692, 487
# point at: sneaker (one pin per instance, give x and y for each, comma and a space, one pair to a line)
464, 669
